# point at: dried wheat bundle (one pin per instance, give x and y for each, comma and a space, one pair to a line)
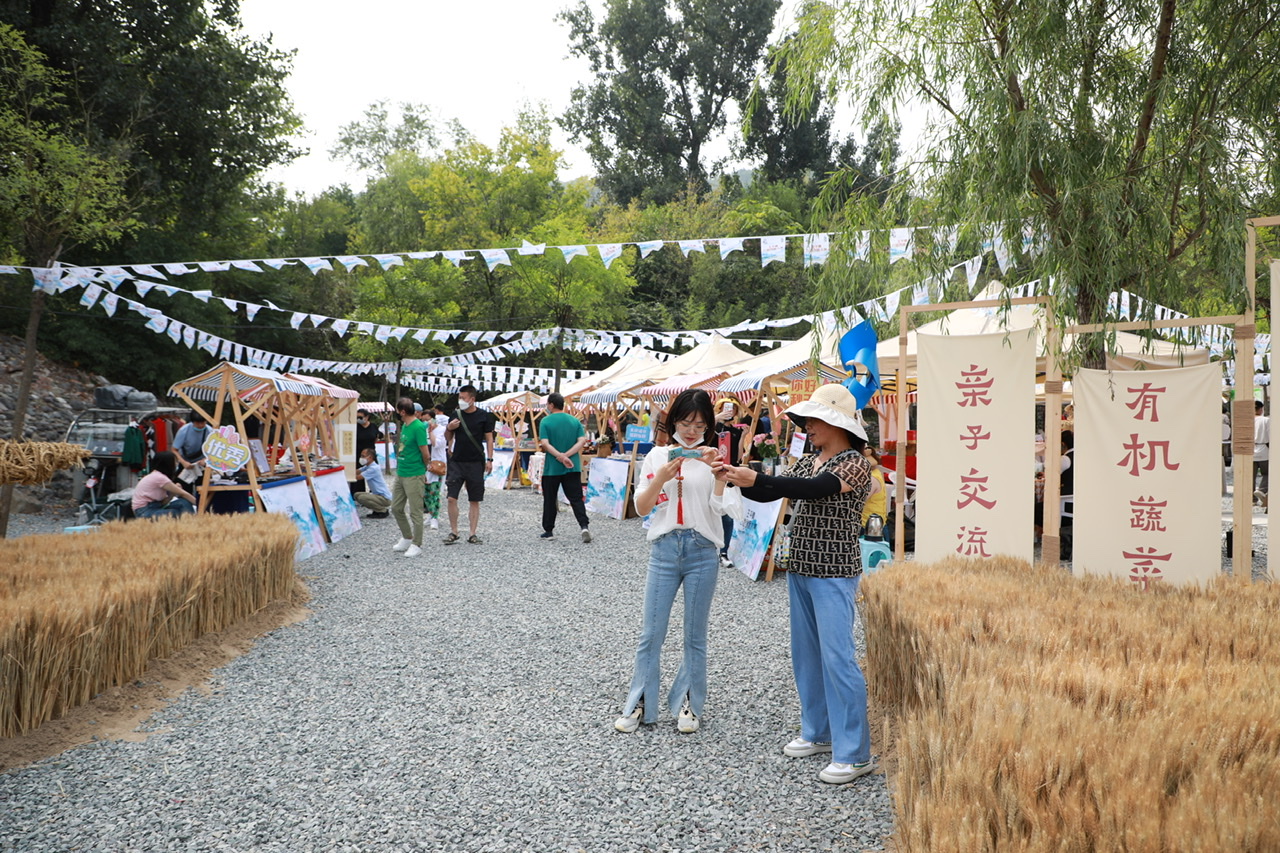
80, 614
1038, 711
30, 463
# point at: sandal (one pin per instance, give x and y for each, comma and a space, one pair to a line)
450, 539
474, 539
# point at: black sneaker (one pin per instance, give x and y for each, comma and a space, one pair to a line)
378, 515
546, 534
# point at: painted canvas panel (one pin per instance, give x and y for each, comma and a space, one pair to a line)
337, 508
292, 498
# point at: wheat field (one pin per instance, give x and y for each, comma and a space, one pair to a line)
82, 613
1037, 711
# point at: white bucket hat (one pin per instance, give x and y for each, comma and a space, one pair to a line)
833, 404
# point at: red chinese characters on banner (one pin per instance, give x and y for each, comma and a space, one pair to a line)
1146, 513
1145, 402
1144, 455
974, 436
1143, 570
974, 387
973, 542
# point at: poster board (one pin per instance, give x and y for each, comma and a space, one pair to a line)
292, 498
753, 535
333, 499
498, 477
607, 482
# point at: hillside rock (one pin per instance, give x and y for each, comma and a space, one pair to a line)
58, 394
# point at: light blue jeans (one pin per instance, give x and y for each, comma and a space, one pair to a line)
679, 557
833, 692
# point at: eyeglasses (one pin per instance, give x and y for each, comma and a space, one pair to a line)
690, 425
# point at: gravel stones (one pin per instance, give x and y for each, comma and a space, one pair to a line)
463, 700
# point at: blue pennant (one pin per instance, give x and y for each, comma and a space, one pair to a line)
858, 349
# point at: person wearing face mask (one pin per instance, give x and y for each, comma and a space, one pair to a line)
472, 459
685, 536
828, 489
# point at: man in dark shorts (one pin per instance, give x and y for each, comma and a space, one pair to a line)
471, 435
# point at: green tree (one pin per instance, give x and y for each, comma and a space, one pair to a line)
667, 74
56, 192
1132, 138
369, 145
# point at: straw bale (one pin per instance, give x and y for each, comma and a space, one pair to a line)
1037, 711
30, 463
80, 614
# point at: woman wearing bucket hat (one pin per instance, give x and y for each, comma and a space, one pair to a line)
828, 488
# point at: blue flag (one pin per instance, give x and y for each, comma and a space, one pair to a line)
858, 349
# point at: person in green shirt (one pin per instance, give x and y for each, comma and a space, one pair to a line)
562, 438
412, 452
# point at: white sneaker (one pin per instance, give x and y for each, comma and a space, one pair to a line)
725, 562
836, 773
630, 722
413, 551
688, 721
799, 748
402, 545
435, 524
586, 535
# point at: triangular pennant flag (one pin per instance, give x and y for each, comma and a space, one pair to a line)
421, 335
189, 337
317, 264
247, 266
495, 257
1003, 256
364, 328
277, 263
772, 249
296, 319
947, 236
90, 296
143, 269
891, 301
456, 257
143, 287
527, 248
202, 295
169, 290
157, 323
971, 268
571, 252
5, 269
214, 266
341, 326
109, 304
688, 246
920, 294
115, 275
900, 243
383, 334
609, 252
175, 331
389, 261
352, 261
176, 269
231, 304
648, 247
862, 246
46, 279
399, 332
422, 256
817, 248
251, 310
317, 319
728, 245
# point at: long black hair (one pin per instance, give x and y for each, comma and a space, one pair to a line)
687, 405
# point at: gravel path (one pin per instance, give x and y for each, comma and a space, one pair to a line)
462, 700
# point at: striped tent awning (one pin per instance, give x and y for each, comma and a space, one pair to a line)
667, 389
750, 382
610, 393
326, 386
244, 380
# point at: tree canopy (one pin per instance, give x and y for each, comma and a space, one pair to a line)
667, 74
1129, 139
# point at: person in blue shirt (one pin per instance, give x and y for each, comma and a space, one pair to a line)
377, 494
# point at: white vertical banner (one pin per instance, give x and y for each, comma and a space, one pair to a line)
1147, 485
976, 446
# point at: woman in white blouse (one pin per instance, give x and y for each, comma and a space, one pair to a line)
685, 536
